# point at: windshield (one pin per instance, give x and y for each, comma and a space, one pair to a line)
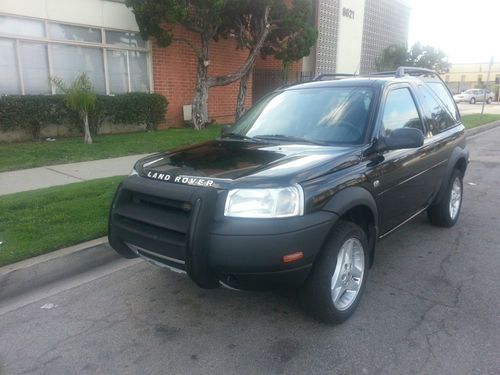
316, 115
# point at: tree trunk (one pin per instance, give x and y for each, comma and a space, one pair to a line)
285, 72
87, 139
204, 82
200, 101
240, 102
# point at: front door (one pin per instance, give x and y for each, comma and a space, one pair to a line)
403, 185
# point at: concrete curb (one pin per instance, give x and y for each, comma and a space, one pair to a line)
481, 128
30, 274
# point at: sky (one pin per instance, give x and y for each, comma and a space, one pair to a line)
466, 30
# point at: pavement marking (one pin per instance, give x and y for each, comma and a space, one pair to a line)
48, 306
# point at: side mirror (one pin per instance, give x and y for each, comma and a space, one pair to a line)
226, 129
402, 138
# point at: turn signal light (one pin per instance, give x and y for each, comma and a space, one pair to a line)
293, 257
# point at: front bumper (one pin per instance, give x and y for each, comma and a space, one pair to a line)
183, 228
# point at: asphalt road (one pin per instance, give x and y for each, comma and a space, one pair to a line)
432, 306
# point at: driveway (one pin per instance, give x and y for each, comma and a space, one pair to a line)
432, 306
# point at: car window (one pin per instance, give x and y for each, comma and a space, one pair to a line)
322, 115
436, 114
444, 96
400, 111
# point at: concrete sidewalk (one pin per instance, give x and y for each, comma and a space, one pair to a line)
37, 178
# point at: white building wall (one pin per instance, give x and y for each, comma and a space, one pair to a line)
350, 35
100, 13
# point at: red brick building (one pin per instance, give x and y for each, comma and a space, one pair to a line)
174, 75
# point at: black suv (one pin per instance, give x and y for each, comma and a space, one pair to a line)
299, 190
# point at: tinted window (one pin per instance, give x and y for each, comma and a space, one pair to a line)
436, 113
400, 112
444, 96
323, 115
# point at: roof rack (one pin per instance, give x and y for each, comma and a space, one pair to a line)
333, 76
403, 70
388, 73
406, 70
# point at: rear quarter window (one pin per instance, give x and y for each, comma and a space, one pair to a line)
437, 115
444, 96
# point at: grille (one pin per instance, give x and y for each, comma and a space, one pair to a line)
158, 224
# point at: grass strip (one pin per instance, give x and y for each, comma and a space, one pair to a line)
471, 121
22, 155
40, 221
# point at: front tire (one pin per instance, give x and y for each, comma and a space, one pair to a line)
334, 288
489, 100
446, 213
472, 101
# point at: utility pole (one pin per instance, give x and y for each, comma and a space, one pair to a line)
484, 88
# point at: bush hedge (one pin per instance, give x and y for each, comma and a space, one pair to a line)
31, 112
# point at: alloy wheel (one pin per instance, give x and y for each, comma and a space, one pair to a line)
348, 276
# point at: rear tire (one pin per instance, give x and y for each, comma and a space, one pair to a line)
472, 101
334, 288
488, 101
446, 213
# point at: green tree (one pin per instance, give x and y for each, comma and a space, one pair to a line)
423, 56
80, 97
392, 57
289, 40
429, 57
249, 21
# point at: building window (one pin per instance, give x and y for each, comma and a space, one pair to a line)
31, 51
60, 31
9, 84
126, 39
34, 67
69, 61
22, 27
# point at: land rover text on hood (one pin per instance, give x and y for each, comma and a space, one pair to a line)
297, 193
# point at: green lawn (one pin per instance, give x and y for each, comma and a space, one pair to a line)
36, 222
471, 121
66, 150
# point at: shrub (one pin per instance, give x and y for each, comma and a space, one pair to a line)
31, 112
140, 108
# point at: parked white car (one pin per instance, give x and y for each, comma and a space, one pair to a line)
474, 95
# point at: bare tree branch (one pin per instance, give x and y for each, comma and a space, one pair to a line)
230, 78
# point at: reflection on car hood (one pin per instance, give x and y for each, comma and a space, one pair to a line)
243, 160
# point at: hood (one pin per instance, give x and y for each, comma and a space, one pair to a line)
235, 161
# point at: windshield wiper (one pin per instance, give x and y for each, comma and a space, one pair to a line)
287, 138
237, 136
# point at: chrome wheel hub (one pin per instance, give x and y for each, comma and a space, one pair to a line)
455, 198
348, 276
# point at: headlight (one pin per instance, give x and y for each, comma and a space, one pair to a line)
265, 203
